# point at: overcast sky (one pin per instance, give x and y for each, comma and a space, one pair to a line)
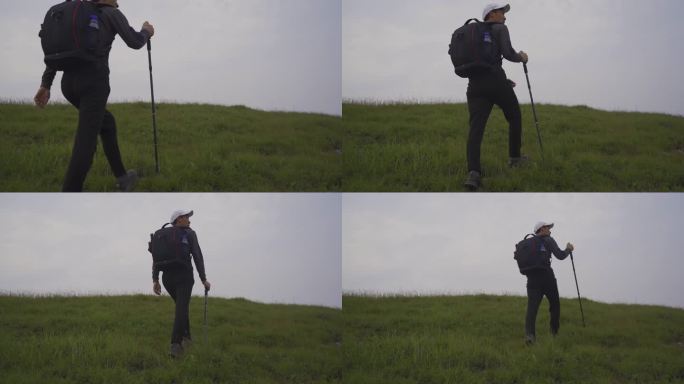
265, 54
616, 55
628, 247
274, 248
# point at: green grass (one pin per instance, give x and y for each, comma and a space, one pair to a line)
201, 148
480, 339
126, 340
422, 147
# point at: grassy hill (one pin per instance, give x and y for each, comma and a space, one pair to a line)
422, 147
201, 148
480, 339
126, 339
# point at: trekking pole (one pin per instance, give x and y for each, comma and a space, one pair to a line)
576, 285
206, 291
154, 109
534, 111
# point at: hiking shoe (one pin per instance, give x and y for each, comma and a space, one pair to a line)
176, 350
518, 161
474, 181
186, 342
127, 182
530, 339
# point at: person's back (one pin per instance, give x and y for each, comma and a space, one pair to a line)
111, 22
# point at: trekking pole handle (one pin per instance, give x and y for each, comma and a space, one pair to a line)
149, 44
524, 65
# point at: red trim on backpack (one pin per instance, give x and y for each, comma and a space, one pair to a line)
472, 43
73, 25
176, 244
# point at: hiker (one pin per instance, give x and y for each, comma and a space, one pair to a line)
179, 279
541, 281
86, 87
489, 88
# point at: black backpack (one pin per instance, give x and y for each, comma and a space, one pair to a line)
528, 254
473, 50
71, 35
167, 247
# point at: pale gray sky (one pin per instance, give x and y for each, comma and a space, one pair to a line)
265, 54
615, 55
628, 247
275, 248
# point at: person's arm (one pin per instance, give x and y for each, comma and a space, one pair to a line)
155, 272
504, 40
156, 287
130, 36
48, 77
43, 94
196, 252
553, 247
155, 269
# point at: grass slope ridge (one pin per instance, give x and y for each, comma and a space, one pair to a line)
422, 147
201, 148
125, 339
480, 339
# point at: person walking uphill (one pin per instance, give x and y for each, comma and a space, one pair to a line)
541, 280
492, 87
85, 84
177, 274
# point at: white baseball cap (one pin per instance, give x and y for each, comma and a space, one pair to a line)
493, 7
542, 224
179, 213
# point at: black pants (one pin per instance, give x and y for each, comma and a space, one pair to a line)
178, 283
483, 92
88, 91
542, 283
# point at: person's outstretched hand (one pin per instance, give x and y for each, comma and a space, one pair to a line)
570, 247
42, 97
207, 285
524, 56
156, 288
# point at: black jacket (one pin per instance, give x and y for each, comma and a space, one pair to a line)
502, 39
548, 247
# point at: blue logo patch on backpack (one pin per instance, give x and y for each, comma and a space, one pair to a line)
487, 37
